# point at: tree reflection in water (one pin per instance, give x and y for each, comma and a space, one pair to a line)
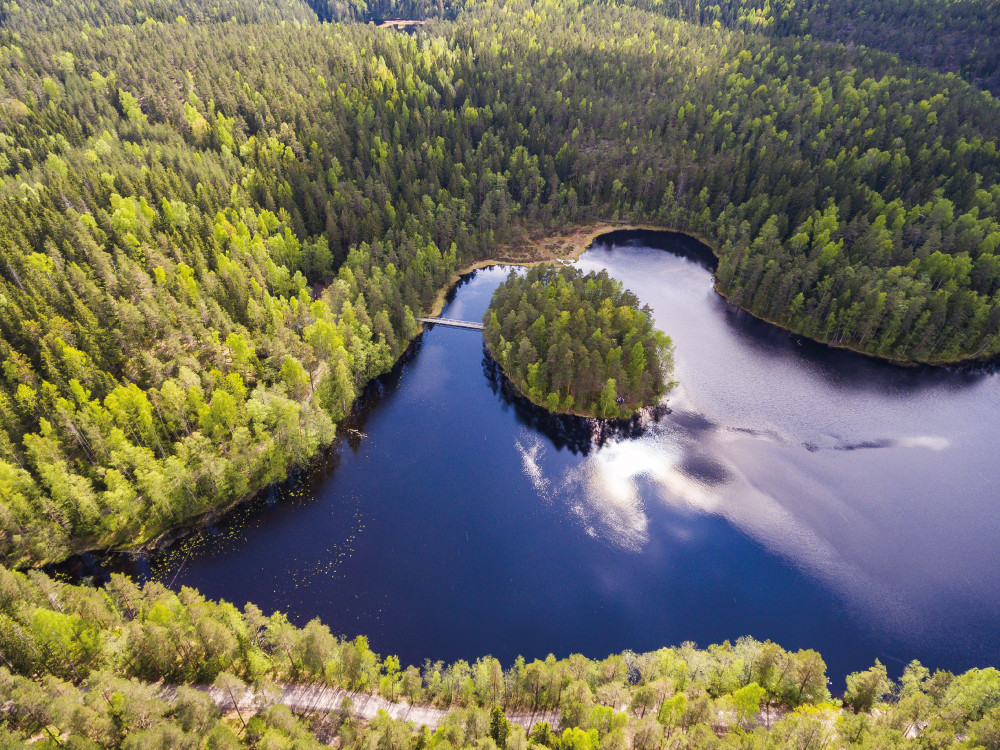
579, 435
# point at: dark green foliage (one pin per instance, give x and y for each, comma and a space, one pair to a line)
213, 233
578, 343
958, 36
499, 727
35, 15
377, 11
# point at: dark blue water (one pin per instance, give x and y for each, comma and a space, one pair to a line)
796, 493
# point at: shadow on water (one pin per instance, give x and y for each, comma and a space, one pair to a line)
578, 435
463, 280
841, 366
677, 243
299, 489
143, 565
833, 364
377, 395
850, 459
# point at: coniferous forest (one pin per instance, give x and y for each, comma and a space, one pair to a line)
219, 223
578, 343
220, 220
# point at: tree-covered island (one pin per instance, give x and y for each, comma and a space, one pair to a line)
578, 343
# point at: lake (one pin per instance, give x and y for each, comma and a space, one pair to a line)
794, 492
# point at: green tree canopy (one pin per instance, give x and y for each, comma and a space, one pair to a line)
570, 357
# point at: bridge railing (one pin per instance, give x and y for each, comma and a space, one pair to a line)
453, 323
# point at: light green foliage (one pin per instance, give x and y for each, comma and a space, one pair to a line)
88, 666
295, 377
312, 197
975, 693
747, 700
865, 689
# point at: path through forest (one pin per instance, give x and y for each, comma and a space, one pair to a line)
323, 699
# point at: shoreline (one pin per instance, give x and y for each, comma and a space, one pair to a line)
643, 412
535, 249
580, 237
185, 528
966, 363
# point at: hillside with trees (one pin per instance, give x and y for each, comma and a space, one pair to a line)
215, 231
39, 15
949, 36
578, 343
119, 667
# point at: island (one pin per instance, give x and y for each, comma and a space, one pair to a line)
578, 343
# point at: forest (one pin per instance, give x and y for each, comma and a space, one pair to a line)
120, 666
219, 221
949, 36
578, 343
956, 36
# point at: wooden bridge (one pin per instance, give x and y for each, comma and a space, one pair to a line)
453, 323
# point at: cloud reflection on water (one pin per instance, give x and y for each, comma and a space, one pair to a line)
689, 463
875, 481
